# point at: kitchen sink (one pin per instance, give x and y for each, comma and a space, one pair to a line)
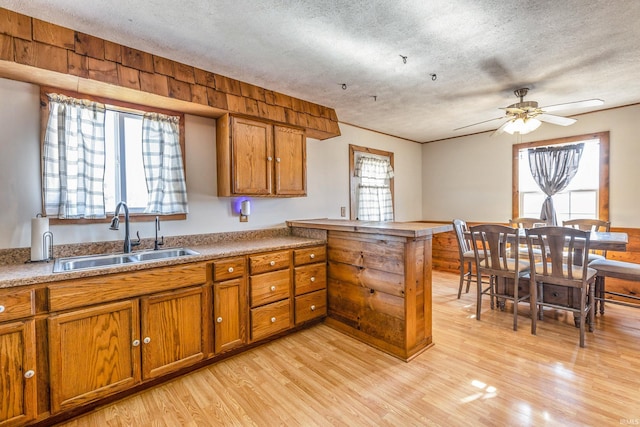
62, 265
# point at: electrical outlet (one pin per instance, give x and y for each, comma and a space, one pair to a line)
343, 211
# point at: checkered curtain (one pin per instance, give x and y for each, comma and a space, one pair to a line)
74, 158
163, 165
374, 196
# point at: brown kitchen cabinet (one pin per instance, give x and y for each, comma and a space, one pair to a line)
229, 304
93, 352
310, 283
256, 158
270, 293
18, 403
97, 351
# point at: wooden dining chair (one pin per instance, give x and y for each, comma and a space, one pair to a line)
524, 222
465, 251
564, 281
492, 245
588, 224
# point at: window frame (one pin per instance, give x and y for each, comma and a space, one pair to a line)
121, 106
353, 180
603, 186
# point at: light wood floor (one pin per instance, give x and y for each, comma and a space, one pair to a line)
478, 373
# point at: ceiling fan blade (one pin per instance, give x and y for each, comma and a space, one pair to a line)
555, 120
479, 123
578, 104
500, 130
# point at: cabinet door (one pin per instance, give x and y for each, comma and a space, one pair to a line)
17, 381
172, 331
229, 308
290, 161
93, 352
252, 157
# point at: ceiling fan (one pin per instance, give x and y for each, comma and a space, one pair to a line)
525, 116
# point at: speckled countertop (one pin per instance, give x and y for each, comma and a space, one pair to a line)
209, 248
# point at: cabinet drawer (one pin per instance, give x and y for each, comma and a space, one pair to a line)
269, 262
269, 287
269, 319
226, 269
311, 306
15, 304
310, 278
561, 295
310, 255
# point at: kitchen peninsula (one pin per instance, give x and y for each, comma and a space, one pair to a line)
379, 281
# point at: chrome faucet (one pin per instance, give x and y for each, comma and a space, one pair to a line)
115, 223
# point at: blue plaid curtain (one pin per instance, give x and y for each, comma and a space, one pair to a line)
374, 195
163, 165
74, 158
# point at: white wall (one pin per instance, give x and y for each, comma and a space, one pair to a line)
470, 177
327, 179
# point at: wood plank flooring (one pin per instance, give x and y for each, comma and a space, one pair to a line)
478, 373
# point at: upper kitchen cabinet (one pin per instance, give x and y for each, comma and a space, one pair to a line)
257, 158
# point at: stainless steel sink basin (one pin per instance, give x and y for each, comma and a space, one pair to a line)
101, 261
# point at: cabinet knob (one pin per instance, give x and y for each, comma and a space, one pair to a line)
273, 288
312, 256
313, 279
136, 343
230, 270
278, 159
219, 320
272, 263
1, 308
269, 158
146, 340
313, 308
29, 374
273, 320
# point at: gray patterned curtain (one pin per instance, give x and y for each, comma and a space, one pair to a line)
553, 168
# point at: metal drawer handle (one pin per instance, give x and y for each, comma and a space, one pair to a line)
219, 320
230, 270
312, 256
273, 320
273, 288
29, 374
272, 263
313, 308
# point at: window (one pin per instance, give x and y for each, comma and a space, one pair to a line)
371, 196
586, 196
99, 152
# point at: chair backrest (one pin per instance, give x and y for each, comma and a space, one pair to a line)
587, 224
523, 222
464, 244
565, 251
496, 249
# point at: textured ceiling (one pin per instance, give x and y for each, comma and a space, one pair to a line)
480, 51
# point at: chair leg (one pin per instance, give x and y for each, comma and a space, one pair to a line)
601, 295
533, 303
479, 296
469, 275
583, 316
592, 308
515, 304
462, 274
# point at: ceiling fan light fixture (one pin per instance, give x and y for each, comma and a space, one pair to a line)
522, 126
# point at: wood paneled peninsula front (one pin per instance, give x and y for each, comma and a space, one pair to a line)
379, 281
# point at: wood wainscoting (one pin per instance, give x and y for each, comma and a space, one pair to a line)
446, 258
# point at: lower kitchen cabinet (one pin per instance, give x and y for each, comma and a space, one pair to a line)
172, 331
93, 352
17, 363
229, 308
97, 351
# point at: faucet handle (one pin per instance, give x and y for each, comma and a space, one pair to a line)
138, 242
